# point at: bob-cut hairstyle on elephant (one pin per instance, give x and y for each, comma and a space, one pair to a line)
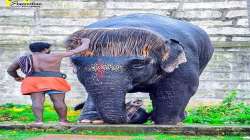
120, 42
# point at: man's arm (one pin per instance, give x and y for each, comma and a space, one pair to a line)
12, 71
84, 46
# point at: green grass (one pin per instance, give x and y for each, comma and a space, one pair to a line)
21, 135
230, 111
23, 113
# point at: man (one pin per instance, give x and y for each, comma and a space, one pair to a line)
42, 70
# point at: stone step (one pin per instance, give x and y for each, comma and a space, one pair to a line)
163, 129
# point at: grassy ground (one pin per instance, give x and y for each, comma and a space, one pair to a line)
23, 113
230, 111
22, 135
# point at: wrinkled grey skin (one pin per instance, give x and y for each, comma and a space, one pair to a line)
170, 84
89, 110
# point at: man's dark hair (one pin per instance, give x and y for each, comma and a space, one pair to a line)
39, 46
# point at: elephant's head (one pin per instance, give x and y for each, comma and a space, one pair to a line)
120, 59
167, 53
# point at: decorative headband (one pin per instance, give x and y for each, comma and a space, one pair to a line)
103, 67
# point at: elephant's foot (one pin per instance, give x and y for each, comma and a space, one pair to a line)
162, 116
90, 117
97, 122
172, 122
91, 121
180, 124
167, 119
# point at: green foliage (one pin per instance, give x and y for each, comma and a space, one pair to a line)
230, 98
230, 111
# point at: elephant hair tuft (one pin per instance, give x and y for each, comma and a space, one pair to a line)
119, 42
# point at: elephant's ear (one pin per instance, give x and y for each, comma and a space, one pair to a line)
175, 56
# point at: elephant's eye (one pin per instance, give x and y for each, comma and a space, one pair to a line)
138, 66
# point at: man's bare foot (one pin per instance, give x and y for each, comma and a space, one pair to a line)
63, 123
36, 123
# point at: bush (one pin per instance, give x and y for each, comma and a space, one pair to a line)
230, 111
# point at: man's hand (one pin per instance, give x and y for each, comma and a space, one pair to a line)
83, 46
85, 42
19, 79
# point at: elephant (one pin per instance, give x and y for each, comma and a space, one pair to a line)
148, 53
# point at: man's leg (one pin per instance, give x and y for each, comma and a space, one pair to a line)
60, 106
37, 105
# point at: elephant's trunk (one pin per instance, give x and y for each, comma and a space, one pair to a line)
107, 82
110, 102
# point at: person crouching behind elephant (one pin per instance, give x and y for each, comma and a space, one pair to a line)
43, 76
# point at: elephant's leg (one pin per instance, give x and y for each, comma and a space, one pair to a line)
111, 107
89, 111
171, 97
